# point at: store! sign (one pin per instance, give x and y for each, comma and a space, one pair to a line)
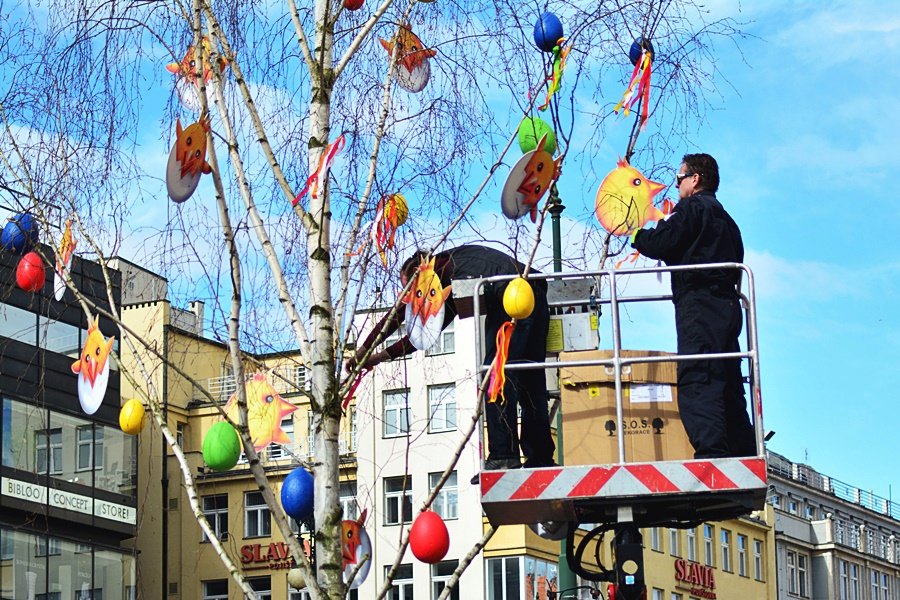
41, 494
699, 579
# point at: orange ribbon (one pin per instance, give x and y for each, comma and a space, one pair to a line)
498, 367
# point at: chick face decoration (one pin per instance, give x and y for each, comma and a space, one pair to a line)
356, 547
265, 411
413, 69
425, 306
528, 182
625, 200
188, 76
92, 368
187, 160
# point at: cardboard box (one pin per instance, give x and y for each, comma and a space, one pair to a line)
651, 423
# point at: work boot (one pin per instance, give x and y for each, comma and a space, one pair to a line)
497, 464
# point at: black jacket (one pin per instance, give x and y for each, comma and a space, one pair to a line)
698, 231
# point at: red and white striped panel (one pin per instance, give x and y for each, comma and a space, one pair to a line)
641, 479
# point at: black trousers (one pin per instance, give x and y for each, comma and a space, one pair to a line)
711, 392
526, 389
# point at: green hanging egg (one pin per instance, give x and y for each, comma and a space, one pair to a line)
530, 131
221, 447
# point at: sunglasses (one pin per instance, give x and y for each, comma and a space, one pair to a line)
681, 177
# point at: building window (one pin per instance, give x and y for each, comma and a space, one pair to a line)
88, 448
674, 542
854, 581
708, 545
691, 544
676, 596
726, 550
655, 541
256, 516
215, 590
440, 575
277, 451
757, 560
446, 501
348, 440
802, 581
792, 572
180, 428
658, 594
793, 507
885, 586
48, 447
810, 512
402, 584
347, 498
396, 413
742, 555
397, 500
303, 379
215, 509
844, 579
504, 578
46, 546
441, 408
541, 578
446, 341
262, 586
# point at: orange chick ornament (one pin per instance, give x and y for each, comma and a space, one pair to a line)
187, 160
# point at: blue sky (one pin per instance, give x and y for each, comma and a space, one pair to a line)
807, 147
805, 134
809, 162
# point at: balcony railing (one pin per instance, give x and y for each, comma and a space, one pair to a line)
286, 379
346, 444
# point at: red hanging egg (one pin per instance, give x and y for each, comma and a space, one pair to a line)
30, 273
429, 538
353, 4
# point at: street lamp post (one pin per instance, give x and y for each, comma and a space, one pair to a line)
566, 576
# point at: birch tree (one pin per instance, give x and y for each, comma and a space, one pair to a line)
88, 115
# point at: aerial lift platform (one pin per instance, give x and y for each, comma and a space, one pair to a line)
623, 496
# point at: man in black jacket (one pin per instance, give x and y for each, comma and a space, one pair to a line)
708, 316
525, 388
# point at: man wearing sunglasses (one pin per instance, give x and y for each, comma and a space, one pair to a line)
708, 316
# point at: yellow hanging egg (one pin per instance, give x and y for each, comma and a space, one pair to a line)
131, 417
397, 205
518, 299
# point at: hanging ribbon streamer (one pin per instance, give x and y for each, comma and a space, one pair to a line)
391, 212
352, 391
498, 367
560, 53
638, 87
318, 177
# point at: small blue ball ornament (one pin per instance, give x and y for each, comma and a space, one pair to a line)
637, 48
20, 234
547, 31
297, 494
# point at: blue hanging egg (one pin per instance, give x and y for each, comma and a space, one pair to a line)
637, 48
20, 233
297, 494
547, 31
